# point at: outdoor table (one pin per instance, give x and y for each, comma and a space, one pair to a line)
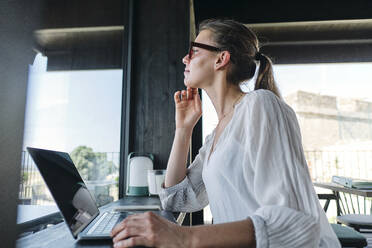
336, 189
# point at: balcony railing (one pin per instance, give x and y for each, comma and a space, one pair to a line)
322, 166
32, 189
325, 164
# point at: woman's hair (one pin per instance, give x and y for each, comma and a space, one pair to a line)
244, 48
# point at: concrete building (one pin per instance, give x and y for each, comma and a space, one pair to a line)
336, 134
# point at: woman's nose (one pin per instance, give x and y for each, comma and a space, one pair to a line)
185, 59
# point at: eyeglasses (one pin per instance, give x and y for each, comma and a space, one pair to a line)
204, 46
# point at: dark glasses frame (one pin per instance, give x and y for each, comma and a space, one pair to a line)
204, 46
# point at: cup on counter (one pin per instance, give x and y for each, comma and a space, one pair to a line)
155, 179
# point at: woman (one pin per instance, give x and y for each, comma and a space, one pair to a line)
251, 169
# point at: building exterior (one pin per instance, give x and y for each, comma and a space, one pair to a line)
336, 134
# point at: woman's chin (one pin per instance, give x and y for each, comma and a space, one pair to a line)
187, 83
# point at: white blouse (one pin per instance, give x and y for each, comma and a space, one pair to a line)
257, 170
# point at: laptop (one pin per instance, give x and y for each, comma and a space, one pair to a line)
77, 206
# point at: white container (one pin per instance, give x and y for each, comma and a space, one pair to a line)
138, 164
155, 179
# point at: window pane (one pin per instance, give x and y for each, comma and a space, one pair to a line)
78, 112
333, 104
334, 109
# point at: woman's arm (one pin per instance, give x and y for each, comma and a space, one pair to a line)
188, 112
176, 168
233, 234
288, 213
151, 230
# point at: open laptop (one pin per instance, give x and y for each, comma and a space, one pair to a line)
77, 206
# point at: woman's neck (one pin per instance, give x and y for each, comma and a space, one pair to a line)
224, 97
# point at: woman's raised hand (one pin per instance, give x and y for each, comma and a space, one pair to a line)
188, 108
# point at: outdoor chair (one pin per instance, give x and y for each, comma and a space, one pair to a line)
353, 214
348, 237
356, 221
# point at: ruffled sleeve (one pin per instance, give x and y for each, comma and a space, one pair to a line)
289, 211
190, 194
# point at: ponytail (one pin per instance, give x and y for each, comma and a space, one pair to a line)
265, 78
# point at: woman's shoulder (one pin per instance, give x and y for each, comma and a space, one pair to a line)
267, 101
262, 95
261, 99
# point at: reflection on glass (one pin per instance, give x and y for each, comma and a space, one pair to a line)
85, 206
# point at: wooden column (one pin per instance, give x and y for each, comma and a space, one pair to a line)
160, 39
156, 38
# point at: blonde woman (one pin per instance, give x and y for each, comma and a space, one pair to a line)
251, 169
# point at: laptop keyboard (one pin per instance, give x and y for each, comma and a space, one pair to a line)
105, 224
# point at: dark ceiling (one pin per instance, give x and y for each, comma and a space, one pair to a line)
301, 31
308, 31
282, 11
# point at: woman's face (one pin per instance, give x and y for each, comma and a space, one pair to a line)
199, 70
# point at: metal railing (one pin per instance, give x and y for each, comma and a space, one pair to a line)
322, 166
32, 189
325, 164
348, 163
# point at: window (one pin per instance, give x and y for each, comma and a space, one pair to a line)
333, 104
78, 112
334, 109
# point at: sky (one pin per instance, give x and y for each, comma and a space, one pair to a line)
66, 109
350, 80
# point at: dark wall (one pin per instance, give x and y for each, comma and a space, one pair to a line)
160, 40
87, 49
18, 19
81, 13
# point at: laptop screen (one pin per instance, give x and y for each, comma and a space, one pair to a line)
67, 188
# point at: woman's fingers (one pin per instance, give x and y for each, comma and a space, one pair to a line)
128, 221
150, 230
194, 91
133, 241
136, 230
122, 225
118, 228
127, 233
177, 98
189, 93
183, 95
135, 221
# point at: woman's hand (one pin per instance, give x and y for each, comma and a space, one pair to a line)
151, 230
188, 108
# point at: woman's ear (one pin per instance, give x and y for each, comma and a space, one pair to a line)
223, 59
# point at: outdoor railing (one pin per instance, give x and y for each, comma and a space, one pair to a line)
322, 166
32, 189
325, 164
